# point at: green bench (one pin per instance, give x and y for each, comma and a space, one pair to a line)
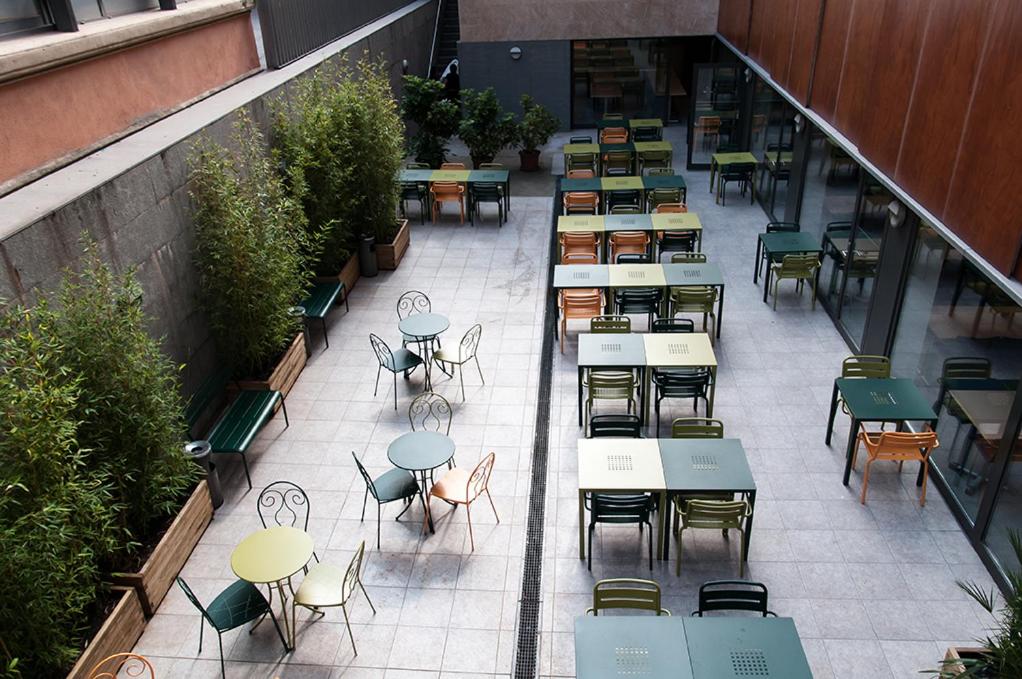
321, 298
239, 422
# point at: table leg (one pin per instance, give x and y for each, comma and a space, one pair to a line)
289, 633
581, 524
425, 505
833, 412
748, 525
853, 430
660, 526
580, 370
755, 269
713, 172
647, 377
766, 276
720, 310
507, 194
713, 391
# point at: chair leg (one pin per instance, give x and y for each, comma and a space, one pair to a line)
365, 498
649, 536
468, 515
741, 554
378, 511
347, 624
461, 376
480, 369
865, 481
368, 600
223, 666
492, 506
395, 391
589, 554
280, 634
377, 386
677, 561
926, 473
202, 624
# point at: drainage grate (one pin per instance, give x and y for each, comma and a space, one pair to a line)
750, 663
527, 646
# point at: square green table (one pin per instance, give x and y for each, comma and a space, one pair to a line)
892, 399
617, 646
698, 274
781, 243
680, 350
590, 184
695, 466
740, 647
614, 351
719, 160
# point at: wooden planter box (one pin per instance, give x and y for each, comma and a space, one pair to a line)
287, 371
118, 634
390, 255
957, 653
157, 575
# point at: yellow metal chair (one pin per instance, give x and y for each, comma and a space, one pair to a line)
800, 268
697, 299
627, 593
719, 515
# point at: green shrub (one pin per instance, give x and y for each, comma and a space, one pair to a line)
251, 244
57, 516
129, 400
485, 128
537, 125
436, 118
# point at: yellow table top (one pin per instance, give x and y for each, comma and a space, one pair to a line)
728, 158
581, 148
575, 223
679, 350
621, 183
645, 122
676, 221
620, 464
450, 176
637, 276
987, 410
641, 146
271, 554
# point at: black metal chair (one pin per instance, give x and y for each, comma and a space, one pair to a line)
673, 325
679, 383
778, 227
487, 192
632, 258
393, 484
580, 139
638, 301
620, 509
740, 173
417, 192
627, 198
284, 504
733, 595
676, 241
615, 426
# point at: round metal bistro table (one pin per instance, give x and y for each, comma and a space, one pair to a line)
271, 556
424, 328
420, 452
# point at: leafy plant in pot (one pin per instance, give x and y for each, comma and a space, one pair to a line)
485, 128
535, 129
436, 118
1001, 655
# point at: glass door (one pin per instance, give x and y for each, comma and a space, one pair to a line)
713, 121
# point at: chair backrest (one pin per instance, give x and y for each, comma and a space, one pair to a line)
627, 593
443, 190
866, 366
383, 353
579, 238
661, 171
626, 210
579, 258
708, 123
670, 208
418, 166
584, 200
614, 508
653, 157
581, 160
613, 116
646, 133
619, 238
896, 444
194, 599
492, 166
966, 367
610, 324
718, 514
284, 504
581, 174
580, 139
469, 344
619, 196
688, 258
611, 385
365, 475
486, 192
782, 227
694, 297
581, 303
639, 297
673, 325
615, 426
430, 412
697, 428
614, 135
352, 576
479, 479
733, 595
452, 166
413, 302
619, 158
632, 258
659, 196
738, 170
799, 266
837, 226
123, 665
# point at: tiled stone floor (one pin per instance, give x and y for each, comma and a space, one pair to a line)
871, 588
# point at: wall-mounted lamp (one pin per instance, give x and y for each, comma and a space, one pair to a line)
896, 214
800, 123
516, 52
404, 66
748, 75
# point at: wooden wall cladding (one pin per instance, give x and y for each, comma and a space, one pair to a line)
830, 57
856, 94
733, 22
803, 48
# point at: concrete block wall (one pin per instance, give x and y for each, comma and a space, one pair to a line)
141, 218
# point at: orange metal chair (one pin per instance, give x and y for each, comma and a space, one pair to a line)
670, 208
452, 166
447, 192
581, 203
459, 487
581, 174
896, 447
579, 303
580, 242
628, 242
579, 258
614, 135
123, 665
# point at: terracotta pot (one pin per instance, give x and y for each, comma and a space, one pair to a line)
530, 160
389, 255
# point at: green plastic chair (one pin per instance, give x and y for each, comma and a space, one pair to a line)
719, 515
650, 160
697, 428
617, 163
626, 593
580, 161
394, 484
800, 268
609, 324
688, 258
241, 602
697, 299
610, 386
660, 196
327, 586
661, 172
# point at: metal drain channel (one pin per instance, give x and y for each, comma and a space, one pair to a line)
526, 664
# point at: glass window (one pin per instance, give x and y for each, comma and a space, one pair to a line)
630, 77
714, 112
772, 142
20, 15
1007, 515
959, 339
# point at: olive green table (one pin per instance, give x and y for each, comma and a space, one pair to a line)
619, 466
698, 274
680, 221
694, 466
781, 243
878, 400
271, 557
719, 160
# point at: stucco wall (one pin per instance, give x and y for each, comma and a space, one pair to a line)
142, 217
502, 20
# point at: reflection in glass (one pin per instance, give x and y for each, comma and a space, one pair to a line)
958, 341
715, 111
773, 138
1007, 514
627, 77
856, 254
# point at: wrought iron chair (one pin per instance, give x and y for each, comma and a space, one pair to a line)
398, 361
393, 484
460, 487
121, 665
733, 595
285, 504
627, 593
468, 350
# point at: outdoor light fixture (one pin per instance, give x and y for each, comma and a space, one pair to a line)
748, 75
800, 122
516, 52
896, 214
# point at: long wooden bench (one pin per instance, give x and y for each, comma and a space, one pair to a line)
321, 298
239, 422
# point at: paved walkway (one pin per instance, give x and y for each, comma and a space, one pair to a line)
871, 588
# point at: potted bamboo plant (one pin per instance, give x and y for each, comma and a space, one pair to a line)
534, 130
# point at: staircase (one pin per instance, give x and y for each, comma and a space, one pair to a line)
446, 39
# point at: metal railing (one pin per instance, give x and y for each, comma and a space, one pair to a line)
293, 28
436, 36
